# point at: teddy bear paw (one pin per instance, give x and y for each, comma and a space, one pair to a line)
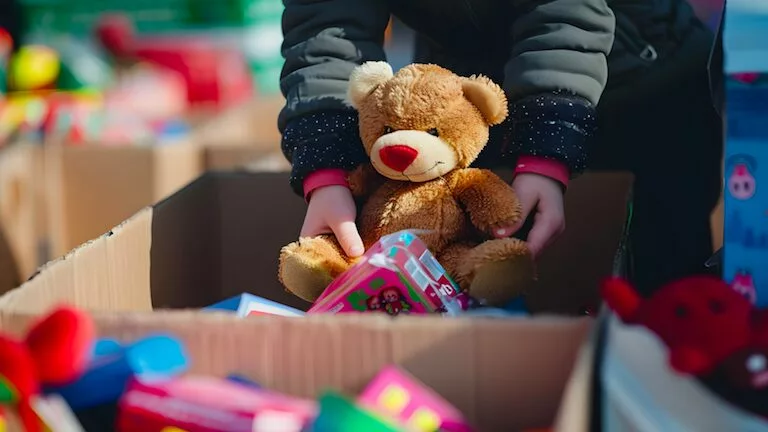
309, 265
499, 270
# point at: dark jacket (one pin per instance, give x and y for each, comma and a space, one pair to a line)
549, 55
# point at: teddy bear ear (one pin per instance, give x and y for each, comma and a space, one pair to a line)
487, 96
365, 78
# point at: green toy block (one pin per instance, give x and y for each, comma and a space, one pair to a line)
340, 414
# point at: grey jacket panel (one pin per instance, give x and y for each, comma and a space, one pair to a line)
560, 45
323, 42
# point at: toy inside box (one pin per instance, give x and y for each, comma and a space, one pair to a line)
215, 239
60, 365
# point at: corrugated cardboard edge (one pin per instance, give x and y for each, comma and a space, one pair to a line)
103, 262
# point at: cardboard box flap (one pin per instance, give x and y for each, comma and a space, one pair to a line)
109, 273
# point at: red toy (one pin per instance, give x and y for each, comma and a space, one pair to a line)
700, 319
55, 351
213, 75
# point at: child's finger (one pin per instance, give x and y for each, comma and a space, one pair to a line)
545, 230
349, 238
527, 202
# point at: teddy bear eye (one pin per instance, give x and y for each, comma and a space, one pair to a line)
433, 132
388, 130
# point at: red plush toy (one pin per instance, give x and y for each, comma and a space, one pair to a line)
55, 351
700, 319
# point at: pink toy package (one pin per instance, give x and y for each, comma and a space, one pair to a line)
203, 404
398, 275
396, 393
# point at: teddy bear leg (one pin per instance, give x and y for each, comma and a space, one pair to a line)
499, 270
309, 265
451, 257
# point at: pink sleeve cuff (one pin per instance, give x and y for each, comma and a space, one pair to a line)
322, 178
545, 167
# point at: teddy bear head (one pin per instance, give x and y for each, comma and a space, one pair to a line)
424, 121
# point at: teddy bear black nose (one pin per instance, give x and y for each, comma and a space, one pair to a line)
398, 157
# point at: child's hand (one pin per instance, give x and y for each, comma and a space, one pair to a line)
546, 196
332, 210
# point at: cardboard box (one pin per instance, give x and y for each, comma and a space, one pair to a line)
254, 158
252, 124
244, 136
91, 188
215, 239
21, 205
9, 275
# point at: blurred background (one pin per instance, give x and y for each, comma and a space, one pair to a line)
107, 106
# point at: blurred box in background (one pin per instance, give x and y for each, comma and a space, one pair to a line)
244, 136
91, 188
22, 205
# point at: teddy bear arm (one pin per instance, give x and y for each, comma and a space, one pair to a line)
490, 202
364, 180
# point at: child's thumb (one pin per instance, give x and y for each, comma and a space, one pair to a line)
349, 239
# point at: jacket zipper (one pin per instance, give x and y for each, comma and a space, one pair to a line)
635, 43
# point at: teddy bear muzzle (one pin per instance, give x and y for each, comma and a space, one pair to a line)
412, 155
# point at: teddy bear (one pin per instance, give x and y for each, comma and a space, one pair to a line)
422, 128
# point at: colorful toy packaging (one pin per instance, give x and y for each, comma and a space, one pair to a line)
745, 44
201, 404
397, 394
246, 305
398, 275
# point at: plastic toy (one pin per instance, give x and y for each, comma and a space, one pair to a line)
212, 75
55, 351
33, 67
700, 319
56, 415
239, 379
150, 93
418, 177
114, 365
250, 305
6, 45
395, 393
339, 414
398, 275
201, 404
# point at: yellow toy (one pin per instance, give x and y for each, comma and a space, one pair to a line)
33, 67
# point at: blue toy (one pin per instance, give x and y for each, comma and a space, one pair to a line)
239, 379
113, 365
248, 304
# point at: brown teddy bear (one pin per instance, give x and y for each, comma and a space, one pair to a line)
422, 128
